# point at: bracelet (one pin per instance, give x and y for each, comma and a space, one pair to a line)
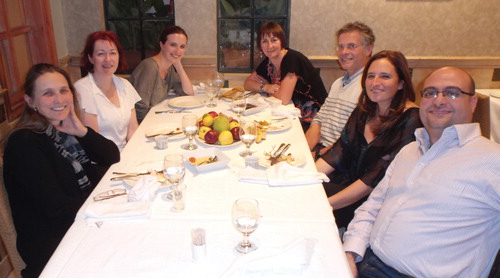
261, 88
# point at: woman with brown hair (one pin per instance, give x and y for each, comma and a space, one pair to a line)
52, 162
286, 74
382, 123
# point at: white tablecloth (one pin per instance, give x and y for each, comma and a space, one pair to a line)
494, 95
161, 246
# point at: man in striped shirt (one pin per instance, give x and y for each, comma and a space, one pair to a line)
355, 42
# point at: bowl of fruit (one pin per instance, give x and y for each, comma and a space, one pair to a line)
218, 130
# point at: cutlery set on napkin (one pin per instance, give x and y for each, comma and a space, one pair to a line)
135, 206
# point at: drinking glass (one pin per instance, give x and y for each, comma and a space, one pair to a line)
190, 128
248, 133
246, 217
218, 81
173, 170
211, 92
238, 105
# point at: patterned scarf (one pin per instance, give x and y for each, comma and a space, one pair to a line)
69, 148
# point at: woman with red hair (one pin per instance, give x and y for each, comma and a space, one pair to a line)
107, 101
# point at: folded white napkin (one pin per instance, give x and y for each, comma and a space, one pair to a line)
144, 189
290, 259
137, 206
286, 111
282, 174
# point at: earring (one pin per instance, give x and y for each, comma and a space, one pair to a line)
34, 108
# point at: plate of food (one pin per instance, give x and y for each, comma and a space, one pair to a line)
173, 132
216, 144
275, 125
229, 94
187, 102
292, 159
206, 160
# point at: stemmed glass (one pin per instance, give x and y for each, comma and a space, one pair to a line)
218, 81
173, 170
190, 128
246, 217
238, 105
211, 92
248, 133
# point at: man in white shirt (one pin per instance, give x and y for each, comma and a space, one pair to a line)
436, 213
354, 47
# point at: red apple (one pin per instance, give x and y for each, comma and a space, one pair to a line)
233, 120
213, 114
211, 137
235, 131
200, 123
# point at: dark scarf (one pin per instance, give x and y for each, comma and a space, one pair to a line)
69, 148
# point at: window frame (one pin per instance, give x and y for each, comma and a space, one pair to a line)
141, 46
253, 18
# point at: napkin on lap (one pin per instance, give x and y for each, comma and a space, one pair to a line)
290, 259
282, 174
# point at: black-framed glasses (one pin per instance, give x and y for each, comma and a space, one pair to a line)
449, 92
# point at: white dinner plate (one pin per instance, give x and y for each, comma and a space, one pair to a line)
186, 102
164, 129
299, 161
276, 126
203, 143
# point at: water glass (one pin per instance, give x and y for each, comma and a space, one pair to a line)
190, 128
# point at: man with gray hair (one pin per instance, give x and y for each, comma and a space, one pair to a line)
354, 47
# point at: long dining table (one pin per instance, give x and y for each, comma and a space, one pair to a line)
159, 245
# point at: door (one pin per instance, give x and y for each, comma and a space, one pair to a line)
26, 38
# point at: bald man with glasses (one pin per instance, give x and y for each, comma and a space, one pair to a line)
436, 213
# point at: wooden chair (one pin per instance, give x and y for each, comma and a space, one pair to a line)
11, 263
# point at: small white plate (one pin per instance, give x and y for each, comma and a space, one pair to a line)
162, 129
222, 159
187, 102
299, 161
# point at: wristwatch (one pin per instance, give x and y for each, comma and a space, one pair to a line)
261, 88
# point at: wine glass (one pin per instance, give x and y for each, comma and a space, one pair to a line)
246, 217
248, 133
190, 128
211, 92
238, 105
173, 170
218, 81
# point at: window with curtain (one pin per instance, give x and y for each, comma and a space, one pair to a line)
238, 22
138, 24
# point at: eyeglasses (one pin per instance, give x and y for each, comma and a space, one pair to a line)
449, 92
350, 46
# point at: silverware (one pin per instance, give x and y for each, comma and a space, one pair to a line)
171, 111
128, 175
110, 194
166, 134
275, 158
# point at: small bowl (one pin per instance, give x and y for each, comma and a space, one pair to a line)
222, 160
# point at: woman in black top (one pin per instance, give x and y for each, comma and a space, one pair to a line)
383, 122
287, 74
52, 162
